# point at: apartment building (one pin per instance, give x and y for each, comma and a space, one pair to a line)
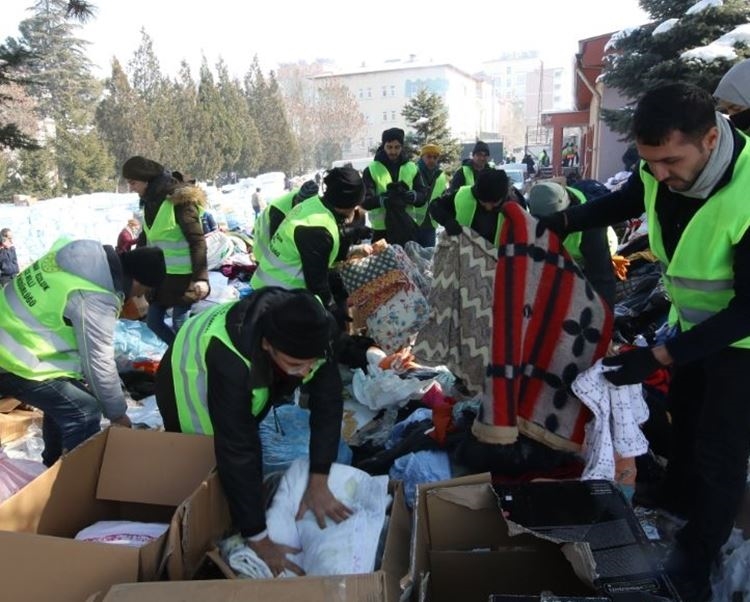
383, 91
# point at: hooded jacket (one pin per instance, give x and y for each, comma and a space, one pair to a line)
236, 437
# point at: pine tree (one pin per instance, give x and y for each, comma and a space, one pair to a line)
36, 173
643, 59
427, 115
86, 166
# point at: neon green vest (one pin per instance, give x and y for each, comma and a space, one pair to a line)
572, 241
700, 278
381, 178
438, 188
35, 341
282, 265
466, 206
190, 374
262, 225
468, 175
166, 234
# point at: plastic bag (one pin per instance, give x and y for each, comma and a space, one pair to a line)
135, 342
383, 388
16, 473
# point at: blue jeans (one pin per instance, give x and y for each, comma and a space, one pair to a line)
155, 320
71, 413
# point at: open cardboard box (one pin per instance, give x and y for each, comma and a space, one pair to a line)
204, 519
120, 474
14, 421
464, 549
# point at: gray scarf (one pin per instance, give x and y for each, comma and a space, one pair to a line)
718, 162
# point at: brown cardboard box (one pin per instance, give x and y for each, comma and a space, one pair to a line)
463, 549
14, 421
120, 474
204, 518
350, 588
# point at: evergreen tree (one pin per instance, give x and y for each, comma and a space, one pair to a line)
267, 110
180, 139
36, 173
212, 126
427, 116
86, 166
643, 59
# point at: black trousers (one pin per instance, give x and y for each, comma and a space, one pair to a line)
709, 401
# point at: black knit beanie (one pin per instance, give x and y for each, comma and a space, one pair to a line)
492, 186
307, 190
145, 264
393, 134
344, 187
298, 326
481, 147
141, 169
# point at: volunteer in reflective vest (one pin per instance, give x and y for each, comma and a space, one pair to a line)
271, 217
590, 249
435, 183
693, 183
57, 328
226, 368
172, 211
471, 168
308, 241
391, 184
476, 207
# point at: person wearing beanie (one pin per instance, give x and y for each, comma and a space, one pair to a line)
472, 167
227, 368
57, 328
435, 182
172, 211
395, 198
692, 184
309, 241
590, 248
733, 95
476, 207
273, 214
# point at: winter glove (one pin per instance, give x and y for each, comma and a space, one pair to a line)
453, 228
632, 366
397, 188
356, 234
556, 222
383, 199
410, 197
340, 314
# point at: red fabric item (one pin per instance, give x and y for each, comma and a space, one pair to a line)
659, 379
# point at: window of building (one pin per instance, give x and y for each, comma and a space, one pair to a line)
393, 115
393, 90
369, 92
385, 115
361, 93
385, 92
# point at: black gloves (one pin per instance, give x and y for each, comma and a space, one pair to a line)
341, 314
634, 366
556, 222
453, 228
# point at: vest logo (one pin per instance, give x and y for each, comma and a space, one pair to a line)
47, 264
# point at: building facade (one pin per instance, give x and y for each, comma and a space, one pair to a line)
383, 91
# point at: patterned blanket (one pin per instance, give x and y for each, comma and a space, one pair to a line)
517, 323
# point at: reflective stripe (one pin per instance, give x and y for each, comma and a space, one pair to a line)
173, 261
167, 245
695, 316
701, 285
32, 361
21, 312
191, 410
267, 280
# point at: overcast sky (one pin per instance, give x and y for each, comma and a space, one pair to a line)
348, 32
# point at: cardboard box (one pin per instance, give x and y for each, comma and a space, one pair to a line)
463, 549
204, 518
120, 474
351, 588
15, 420
574, 539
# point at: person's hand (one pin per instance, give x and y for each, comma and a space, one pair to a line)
274, 555
201, 289
632, 367
122, 421
556, 222
319, 499
410, 197
453, 228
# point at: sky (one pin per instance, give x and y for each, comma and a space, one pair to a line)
350, 32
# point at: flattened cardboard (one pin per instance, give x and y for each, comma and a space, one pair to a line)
8, 404
14, 424
39, 522
351, 588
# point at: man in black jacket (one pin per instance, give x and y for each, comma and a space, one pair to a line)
226, 369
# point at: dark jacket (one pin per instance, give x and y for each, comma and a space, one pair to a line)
188, 200
741, 121
675, 212
8, 264
484, 223
459, 179
236, 436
